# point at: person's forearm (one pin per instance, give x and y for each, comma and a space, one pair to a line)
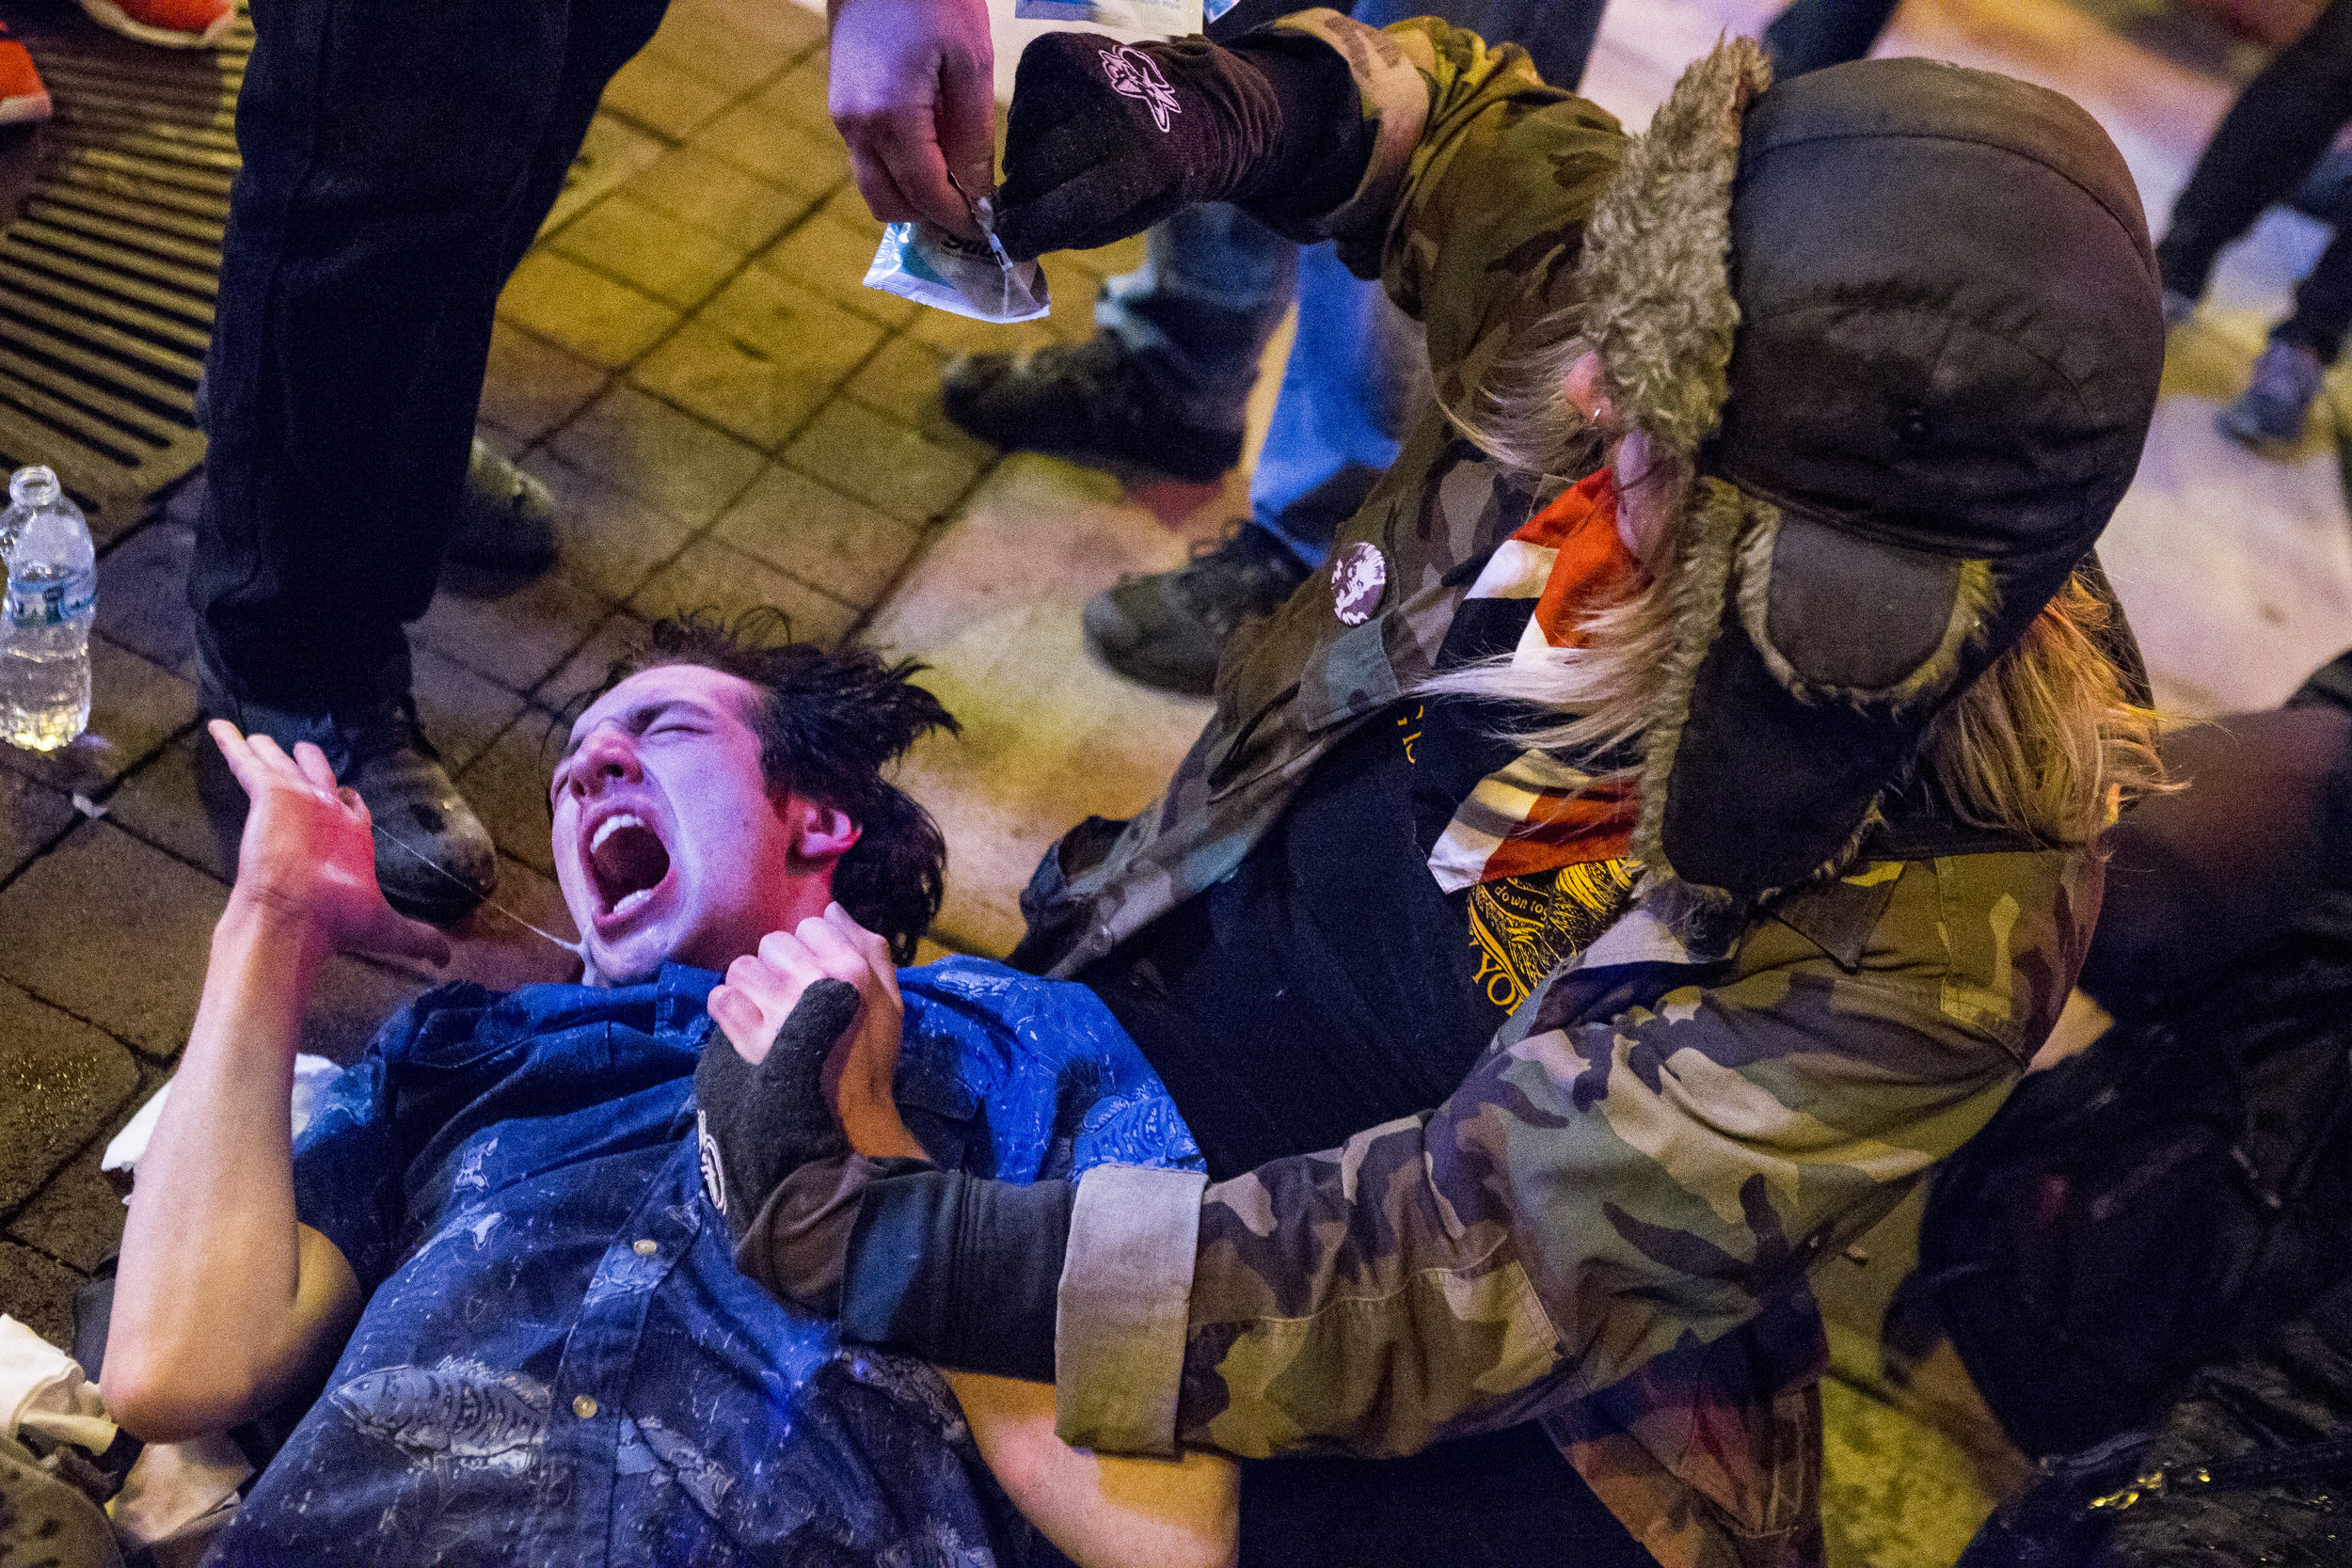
209, 1314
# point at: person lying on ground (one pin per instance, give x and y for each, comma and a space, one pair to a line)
492, 1242
1745, 794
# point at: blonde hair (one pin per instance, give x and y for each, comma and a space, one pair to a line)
2045, 743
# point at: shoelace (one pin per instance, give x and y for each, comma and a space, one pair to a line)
577, 950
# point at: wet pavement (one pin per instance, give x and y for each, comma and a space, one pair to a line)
727, 420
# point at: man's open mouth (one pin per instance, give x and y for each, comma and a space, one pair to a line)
629, 860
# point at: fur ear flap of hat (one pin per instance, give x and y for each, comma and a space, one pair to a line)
1655, 278
1892, 332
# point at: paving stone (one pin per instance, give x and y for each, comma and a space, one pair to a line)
353, 999
901, 382
532, 386
113, 932
515, 637
888, 465
640, 444
143, 594
31, 815
717, 48
37, 1293
163, 804
462, 712
760, 358
831, 256
788, 31
717, 198
1050, 736
135, 708
508, 789
61, 1080
799, 95
600, 319
677, 265
584, 672
607, 540
735, 385
77, 1218
715, 576
613, 150
819, 535
664, 99
812, 162
900, 379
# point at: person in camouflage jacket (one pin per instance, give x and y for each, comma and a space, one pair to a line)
1889, 443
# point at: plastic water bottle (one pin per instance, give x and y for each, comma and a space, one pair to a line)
52, 598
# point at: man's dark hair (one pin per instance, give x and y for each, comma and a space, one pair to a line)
829, 723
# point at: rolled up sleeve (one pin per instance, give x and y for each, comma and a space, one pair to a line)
1118, 1333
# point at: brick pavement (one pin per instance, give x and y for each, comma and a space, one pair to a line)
725, 417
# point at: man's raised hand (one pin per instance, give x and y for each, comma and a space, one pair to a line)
914, 94
307, 854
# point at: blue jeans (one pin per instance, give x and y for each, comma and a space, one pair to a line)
1214, 286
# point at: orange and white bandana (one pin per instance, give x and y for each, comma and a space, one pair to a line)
1537, 812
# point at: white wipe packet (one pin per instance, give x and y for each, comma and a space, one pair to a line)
924, 263
1165, 18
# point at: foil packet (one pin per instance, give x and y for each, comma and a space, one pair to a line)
925, 264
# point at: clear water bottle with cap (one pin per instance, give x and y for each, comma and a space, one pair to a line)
52, 598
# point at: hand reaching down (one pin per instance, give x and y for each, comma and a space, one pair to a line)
912, 92
308, 855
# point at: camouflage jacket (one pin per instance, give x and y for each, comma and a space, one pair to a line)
1608, 1226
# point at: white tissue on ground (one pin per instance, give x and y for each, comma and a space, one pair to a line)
312, 1076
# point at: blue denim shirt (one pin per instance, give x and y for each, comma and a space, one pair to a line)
559, 1365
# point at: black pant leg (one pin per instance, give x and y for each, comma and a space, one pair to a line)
396, 158
2263, 148
1506, 1500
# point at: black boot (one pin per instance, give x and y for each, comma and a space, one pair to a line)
1096, 402
434, 859
505, 518
1169, 629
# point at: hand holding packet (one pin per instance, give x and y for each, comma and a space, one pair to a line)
925, 264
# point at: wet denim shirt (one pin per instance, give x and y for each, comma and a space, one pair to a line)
558, 1363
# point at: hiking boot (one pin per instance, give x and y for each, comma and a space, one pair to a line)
168, 24
505, 518
2286, 379
23, 99
1094, 402
434, 858
1168, 630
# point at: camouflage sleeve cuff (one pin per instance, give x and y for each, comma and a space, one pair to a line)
1395, 98
1126, 1285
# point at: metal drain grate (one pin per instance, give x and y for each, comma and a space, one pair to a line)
109, 269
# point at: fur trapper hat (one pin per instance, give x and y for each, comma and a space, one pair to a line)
1894, 329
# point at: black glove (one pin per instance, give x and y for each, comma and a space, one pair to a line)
1107, 139
755, 1125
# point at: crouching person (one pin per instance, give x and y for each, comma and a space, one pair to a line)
496, 1245
1761, 770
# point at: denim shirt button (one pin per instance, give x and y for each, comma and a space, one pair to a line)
646, 1246
583, 1407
